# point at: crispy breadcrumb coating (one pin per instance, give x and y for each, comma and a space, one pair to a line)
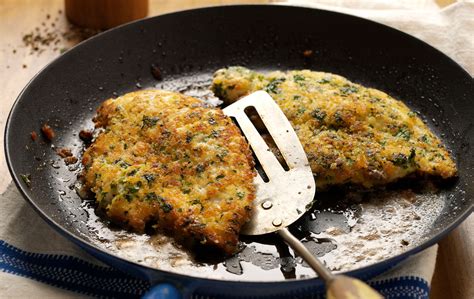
165, 160
351, 134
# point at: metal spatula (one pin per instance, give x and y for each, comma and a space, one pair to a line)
287, 194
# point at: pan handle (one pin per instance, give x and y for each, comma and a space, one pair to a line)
163, 291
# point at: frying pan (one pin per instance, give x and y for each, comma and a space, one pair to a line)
189, 46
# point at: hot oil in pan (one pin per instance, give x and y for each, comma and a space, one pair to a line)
345, 237
347, 230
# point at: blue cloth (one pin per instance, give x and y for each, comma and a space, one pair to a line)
80, 276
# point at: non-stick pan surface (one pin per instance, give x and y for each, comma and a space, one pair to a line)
191, 45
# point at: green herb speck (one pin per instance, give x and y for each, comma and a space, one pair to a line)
218, 90
149, 177
272, 87
403, 133
149, 121
425, 139
298, 78
133, 172
222, 155
197, 202
26, 178
324, 81
200, 168
318, 114
348, 89
402, 160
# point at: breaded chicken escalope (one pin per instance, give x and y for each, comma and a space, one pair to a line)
165, 160
351, 134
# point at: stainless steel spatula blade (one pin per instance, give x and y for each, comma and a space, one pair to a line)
288, 193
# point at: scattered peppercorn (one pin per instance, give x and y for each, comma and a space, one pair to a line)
41, 38
33, 135
47, 132
156, 72
307, 53
86, 136
70, 160
64, 152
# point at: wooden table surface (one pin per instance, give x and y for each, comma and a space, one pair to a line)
454, 274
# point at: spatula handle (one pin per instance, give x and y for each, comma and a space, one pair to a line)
342, 287
306, 255
337, 286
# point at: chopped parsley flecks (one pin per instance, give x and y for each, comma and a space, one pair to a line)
218, 90
211, 121
404, 161
348, 89
165, 206
197, 202
200, 168
324, 81
133, 172
150, 178
425, 139
149, 121
318, 114
222, 155
403, 133
214, 134
189, 138
298, 78
122, 163
338, 118
26, 178
273, 86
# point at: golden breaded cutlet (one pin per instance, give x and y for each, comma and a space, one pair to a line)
167, 161
351, 134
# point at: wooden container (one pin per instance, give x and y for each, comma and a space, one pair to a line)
104, 14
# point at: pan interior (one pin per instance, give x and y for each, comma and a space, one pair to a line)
347, 230
360, 230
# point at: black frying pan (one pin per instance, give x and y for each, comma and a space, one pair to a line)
188, 47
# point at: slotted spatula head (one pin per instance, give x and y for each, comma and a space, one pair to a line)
288, 193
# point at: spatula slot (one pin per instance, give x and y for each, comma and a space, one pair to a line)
257, 121
258, 165
259, 168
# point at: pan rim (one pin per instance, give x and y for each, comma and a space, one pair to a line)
90, 246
